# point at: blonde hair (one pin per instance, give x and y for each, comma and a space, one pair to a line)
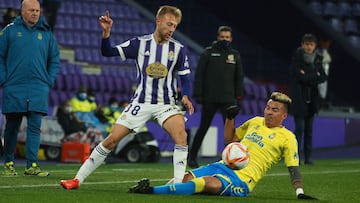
169, 9
282, 98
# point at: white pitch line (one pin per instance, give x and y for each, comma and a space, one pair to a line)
162, 180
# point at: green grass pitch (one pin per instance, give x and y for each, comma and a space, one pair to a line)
330, 180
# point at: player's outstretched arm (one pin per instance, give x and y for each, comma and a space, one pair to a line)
296, 180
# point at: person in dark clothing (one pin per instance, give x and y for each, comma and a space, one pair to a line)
69, 122
51, 9
9, 16
306, 72
218, 84
29, 64
76, 130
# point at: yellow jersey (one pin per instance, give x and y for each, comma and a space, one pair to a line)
267, 146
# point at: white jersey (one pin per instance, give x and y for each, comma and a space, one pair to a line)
157, 68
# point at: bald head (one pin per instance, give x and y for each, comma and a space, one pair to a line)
30, 11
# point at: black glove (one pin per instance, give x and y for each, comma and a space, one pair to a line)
232, 111
306, 197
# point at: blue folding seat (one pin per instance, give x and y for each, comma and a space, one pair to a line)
356, 10
337, 24
59, 82
330, 9
254, 106
351, 26
69, 82
271, 87
63, 96
84, 80
53, 98
354, 41
119, 85
344, 9
245, 109
316, 7
76, 82
263, 92
79, 54
93, 82
102, 83
249, 91
110, 84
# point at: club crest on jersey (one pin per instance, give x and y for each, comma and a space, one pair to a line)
156, 70
39, 36
272, 136
230, 59
171, 56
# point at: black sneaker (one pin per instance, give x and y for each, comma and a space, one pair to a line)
142, 187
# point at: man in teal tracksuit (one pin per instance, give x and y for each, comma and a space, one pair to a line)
29, 64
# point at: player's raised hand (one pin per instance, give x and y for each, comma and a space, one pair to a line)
106, 22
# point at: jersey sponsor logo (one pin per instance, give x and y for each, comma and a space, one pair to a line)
254, 137
215, 54
156, 70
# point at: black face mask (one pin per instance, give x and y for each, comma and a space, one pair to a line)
224, 43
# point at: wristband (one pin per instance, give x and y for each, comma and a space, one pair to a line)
299, 191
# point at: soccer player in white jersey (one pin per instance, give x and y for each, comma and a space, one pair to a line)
267, 140
159, 60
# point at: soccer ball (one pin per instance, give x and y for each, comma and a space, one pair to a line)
236, 155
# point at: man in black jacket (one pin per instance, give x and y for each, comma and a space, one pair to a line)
218, 84
306, 72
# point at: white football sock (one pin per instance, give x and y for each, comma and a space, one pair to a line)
179, 162
96, 158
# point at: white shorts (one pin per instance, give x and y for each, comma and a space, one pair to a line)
135, 115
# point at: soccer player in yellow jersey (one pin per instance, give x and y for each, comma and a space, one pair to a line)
268, 142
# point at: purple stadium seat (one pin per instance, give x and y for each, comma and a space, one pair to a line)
119, 85
271, 88
263, 92
246, 110
355, 41
102, 83
69, 82
249, 92
344, 9
59, 82
330, 9
84, 80
110, 84
356, 9
351, 26
254, 106
54, 99
93, 82
337, 24
316, 7
76, 82
63, 96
